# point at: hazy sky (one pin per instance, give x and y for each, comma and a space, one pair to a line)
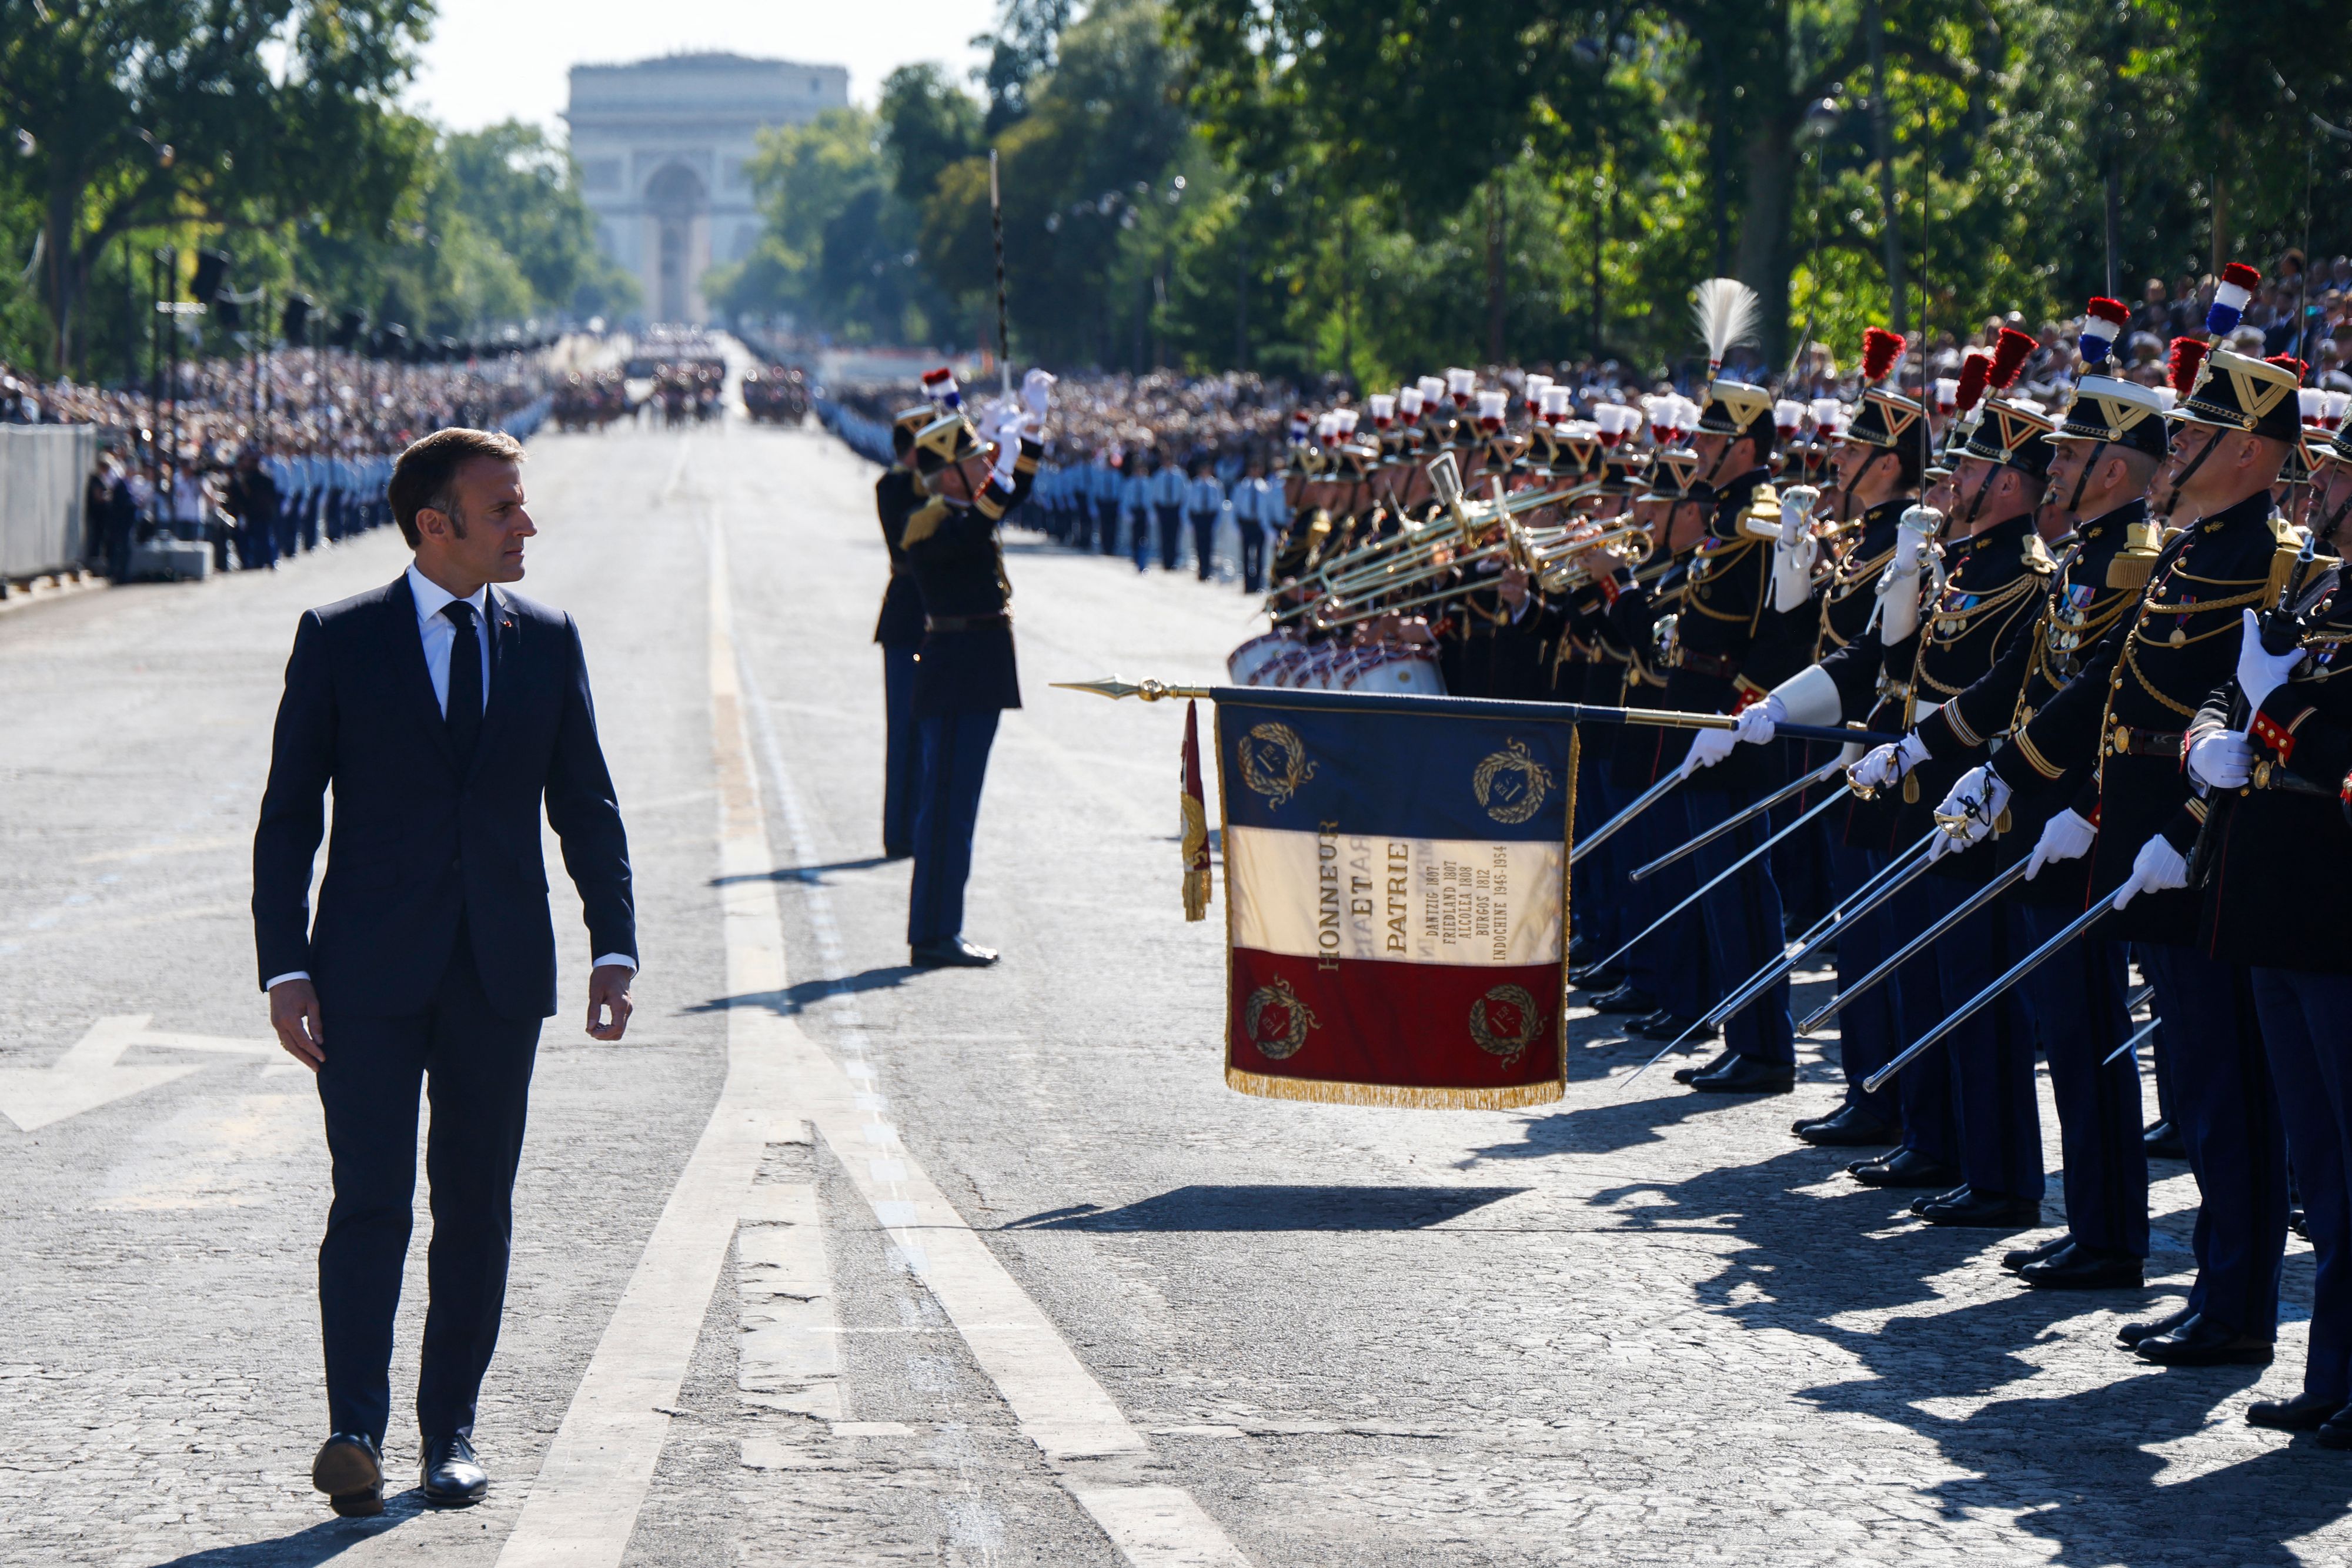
496, 60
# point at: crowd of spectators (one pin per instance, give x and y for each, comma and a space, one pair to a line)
261, 460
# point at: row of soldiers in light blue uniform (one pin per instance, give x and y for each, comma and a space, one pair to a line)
1141, 499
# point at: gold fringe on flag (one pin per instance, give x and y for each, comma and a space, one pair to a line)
1324, 1092
1195, 818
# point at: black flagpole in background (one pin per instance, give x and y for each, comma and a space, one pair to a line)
1003, 318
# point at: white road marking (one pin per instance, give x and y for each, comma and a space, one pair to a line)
89, 1074
790, 1351
1059, 1405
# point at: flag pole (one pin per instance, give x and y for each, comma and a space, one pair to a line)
1003, 318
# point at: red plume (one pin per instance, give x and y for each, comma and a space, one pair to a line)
2290, 365
2245, 276
2008, 356
2110, 310
1975, 366
1880, 349
2187, 357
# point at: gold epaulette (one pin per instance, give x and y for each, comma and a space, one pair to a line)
2286, 545
2129, 566
1762, 518
923, 522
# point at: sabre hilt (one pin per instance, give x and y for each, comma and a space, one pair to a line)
2282, 626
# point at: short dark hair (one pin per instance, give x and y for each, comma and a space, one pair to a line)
422, 475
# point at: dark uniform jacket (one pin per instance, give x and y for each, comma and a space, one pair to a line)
1727, 589
2085, 600
1635, 604
965, 664
2120, 724
896, 495
2272, 874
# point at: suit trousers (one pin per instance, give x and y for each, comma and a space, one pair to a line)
1930, 1123
1742, 920
1596, 904
2306, 1021
1106, 527
475, 1066
1869, 1028
946, 808
1990, 1057
2228, 1115
2077, 997
1253, 556
901, 751
1172, 536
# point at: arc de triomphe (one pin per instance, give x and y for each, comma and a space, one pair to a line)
661, 146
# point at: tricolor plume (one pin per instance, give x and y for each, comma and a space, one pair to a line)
1726, 311
2187, 357
2010, 352
1975, 369
1881, 350
940, 386
2104, 320
2237, 285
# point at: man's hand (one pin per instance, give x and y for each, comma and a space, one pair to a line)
1707, 748
2067, 836
294, 1014
608, 993
2158, 868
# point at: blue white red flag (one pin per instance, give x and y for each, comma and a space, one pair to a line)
1396, 903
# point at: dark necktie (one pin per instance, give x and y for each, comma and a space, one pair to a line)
464, 714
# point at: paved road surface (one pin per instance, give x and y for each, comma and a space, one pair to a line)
834, 1262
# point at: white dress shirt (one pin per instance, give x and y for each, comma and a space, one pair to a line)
440, 636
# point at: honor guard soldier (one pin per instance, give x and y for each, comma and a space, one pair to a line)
1726, 600
898, 630
1876, 461
964, 670
2108, 446
2269, 752
2120, 726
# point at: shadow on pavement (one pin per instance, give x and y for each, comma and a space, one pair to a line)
2084, 1470
1276, 1208
812, 874
320, 1542
793, 1000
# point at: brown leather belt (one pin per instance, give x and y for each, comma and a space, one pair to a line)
966, 622
2123, 740
1722, 669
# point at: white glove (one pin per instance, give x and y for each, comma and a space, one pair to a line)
2158, 868
1707, 748
1037, 392
1980, 795
2064, 837
1883, 767
2223, 759
2260, 673
1797, 504
1759, 720
990, 421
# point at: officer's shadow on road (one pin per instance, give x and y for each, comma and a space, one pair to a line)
1273, 1208
814, 875
2086, 1470
314, 1544
794, 1000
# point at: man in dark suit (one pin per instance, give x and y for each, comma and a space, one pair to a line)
442, 712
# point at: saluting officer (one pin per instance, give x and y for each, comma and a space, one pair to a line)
964, 670
898, 630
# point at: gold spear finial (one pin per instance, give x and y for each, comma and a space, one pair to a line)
1113, 687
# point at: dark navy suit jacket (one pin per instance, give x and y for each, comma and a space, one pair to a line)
415, 844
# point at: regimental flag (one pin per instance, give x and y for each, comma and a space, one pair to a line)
1396, 903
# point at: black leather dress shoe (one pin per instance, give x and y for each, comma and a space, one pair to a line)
1685, 1074
2304, 1413
2081, 1268
955, 953
2131, 1334
1955, 1195
1599, 978
351, 1472
2336, 1432
1847, 1127
2018, 1257
449, 1476
1663, 1026
2162, 1142
1903, 1167
2201, 1342
1626, 998
1735, 1074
